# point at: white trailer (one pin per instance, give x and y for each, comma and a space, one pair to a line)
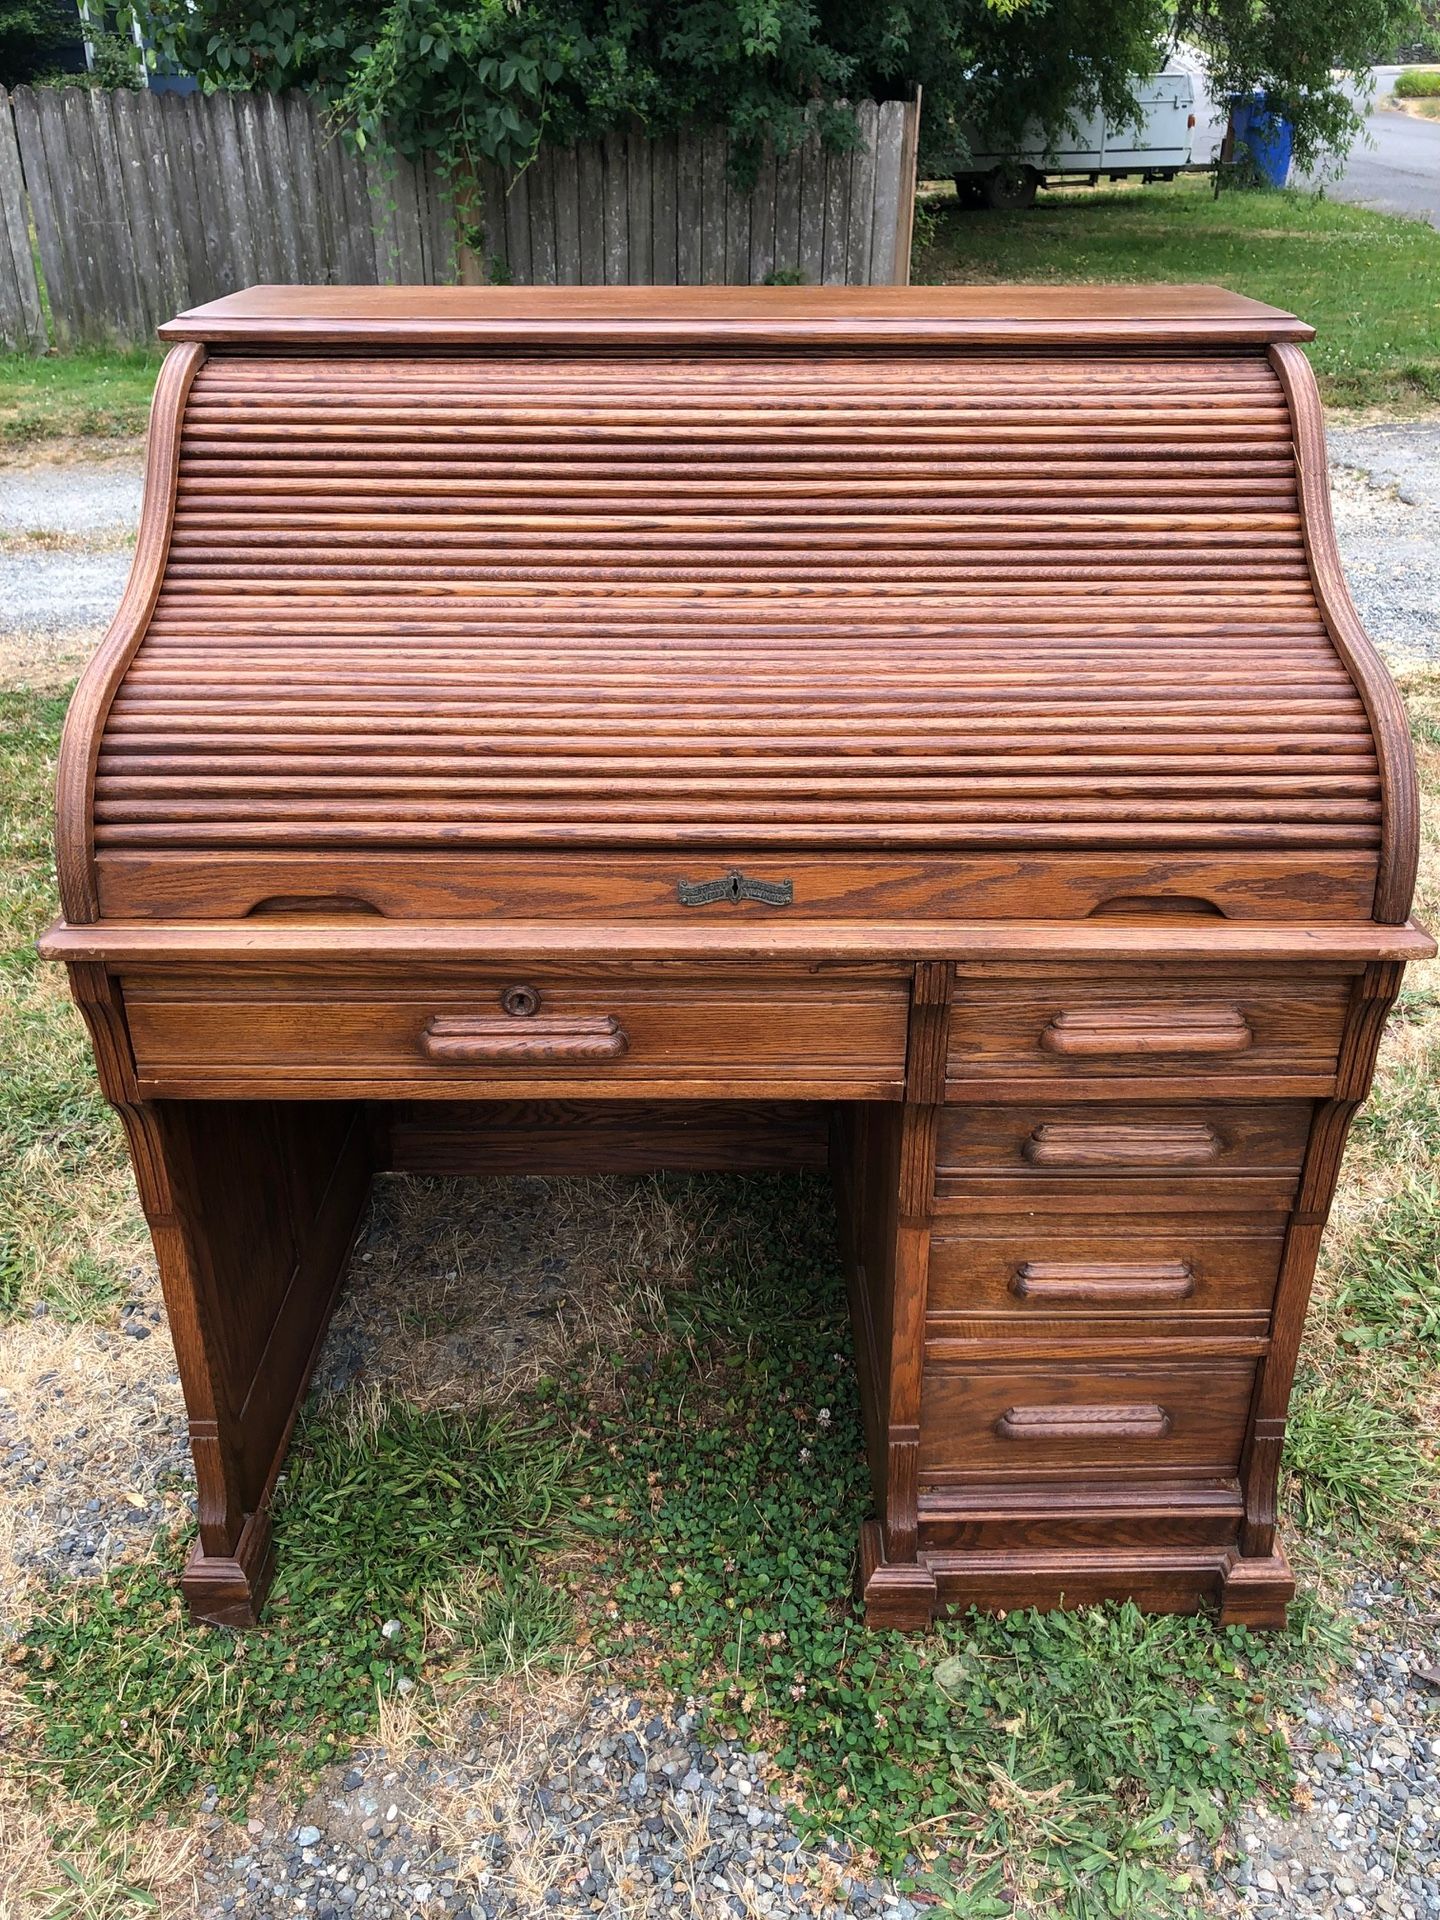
1090, 149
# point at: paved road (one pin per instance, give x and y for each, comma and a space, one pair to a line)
1398, 168
1393, 166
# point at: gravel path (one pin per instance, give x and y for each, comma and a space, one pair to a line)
611, 1808
1386, 485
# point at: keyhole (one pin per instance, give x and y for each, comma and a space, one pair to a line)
520, 1002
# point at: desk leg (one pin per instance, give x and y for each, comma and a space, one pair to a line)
885, 1168
252, 1206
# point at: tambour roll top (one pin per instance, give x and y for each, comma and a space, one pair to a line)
966, 595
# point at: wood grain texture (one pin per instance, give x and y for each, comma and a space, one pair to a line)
593, 730
755, 940
1183, 1266
102, 678
811, 316
1400, 849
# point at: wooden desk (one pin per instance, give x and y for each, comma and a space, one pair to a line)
924, 732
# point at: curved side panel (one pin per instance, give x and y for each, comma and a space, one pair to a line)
1400, 825
85, 722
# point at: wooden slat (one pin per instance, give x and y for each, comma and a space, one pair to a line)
867, 601
813, 177
862, 196
836, 242
714, 190
664, 234
616, 212
569, 268
689, 213
36, 129
22, 319
639, 209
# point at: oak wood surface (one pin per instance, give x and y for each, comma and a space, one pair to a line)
577, 731
263, 943
1145, 1419
1182, 1269
591, 316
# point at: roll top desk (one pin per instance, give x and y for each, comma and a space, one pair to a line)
921, 732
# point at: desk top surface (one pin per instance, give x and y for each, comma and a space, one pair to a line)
959, 315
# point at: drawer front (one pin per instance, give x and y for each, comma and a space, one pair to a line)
1052, 1027
1035, 1141
1023, 1274
1131, 1421
511, 1038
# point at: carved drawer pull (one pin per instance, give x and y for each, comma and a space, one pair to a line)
1107, 1282
541, 1040
1104, 1030
1145, 1422
1084, 1143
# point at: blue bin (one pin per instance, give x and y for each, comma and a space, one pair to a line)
1267, 137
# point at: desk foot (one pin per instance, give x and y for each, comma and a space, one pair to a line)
229, 1591
1257, 1592
896, 1594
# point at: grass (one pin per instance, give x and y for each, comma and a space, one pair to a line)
64, 1182
93, 396
1357, 276
1421, 85
399, 1532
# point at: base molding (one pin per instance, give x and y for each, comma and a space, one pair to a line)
899, 1594
230, 1590
1257, 1592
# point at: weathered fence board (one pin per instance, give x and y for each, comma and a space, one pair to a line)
143, 204
22, 320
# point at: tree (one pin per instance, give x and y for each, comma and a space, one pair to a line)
36, 35
488, 79
1291, 49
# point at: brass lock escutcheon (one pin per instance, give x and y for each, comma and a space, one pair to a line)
735, 887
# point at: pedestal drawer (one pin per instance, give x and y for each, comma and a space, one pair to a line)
1239, 1156
1175, 1270
979, 1424
1052, 1025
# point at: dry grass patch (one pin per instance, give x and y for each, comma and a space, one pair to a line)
470, 1292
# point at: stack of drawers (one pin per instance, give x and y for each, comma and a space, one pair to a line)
1113, 1201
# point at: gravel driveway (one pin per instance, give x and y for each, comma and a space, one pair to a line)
546, 1815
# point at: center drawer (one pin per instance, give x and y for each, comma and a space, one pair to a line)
645, 1030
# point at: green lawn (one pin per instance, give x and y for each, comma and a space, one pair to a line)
1369, 282
92, 395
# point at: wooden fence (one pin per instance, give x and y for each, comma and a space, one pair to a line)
142, 204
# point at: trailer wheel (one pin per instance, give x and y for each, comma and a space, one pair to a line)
1010, 189
970, 189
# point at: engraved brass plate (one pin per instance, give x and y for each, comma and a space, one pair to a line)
735, 887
